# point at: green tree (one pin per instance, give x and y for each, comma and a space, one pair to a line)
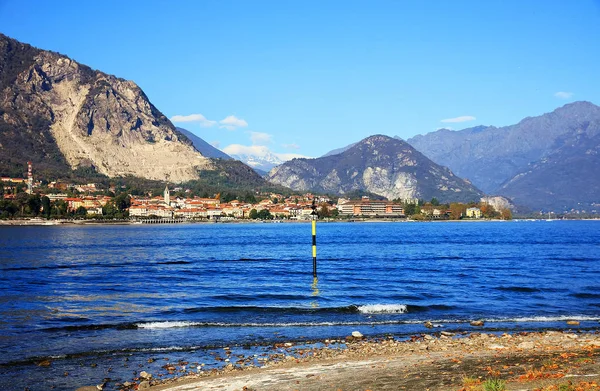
253, 214
110, 210
249, 198
411, 209
324, 211
8, 208
81, 211
264, 214
21, 201
34, 204
122, 202
227, 197
275, 200
435, 202
58, 209
46, 208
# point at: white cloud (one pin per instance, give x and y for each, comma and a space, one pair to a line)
563, 95
194, 118
232, 122
252, 150
291, 146
464, 118
259, 138
289, 156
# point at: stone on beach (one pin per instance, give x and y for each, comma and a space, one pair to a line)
428, 324
357, 334
477, 323
526, 345
145, 375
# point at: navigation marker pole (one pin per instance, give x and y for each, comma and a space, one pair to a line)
314, 217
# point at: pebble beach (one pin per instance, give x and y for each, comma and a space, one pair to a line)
439, 361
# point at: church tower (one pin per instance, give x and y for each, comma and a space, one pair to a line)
167, 195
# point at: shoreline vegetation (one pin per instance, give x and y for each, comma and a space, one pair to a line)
567, 360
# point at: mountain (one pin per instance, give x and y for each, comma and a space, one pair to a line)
260, 159
378, 164
339, 150
347, 147
506, 160
202, 146
566, 179
62, 116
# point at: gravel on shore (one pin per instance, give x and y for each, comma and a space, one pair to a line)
441, 361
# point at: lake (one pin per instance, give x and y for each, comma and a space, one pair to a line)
98, 301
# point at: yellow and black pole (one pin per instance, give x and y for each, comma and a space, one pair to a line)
314, 217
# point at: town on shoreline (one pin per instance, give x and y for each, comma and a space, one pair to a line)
61, 202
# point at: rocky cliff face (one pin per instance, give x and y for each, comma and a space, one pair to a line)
78, 117
377, 164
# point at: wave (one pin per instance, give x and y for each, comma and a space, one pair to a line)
523, 289
350, 309
586, 295
273, 310
188, 324
173, 263
531, 319
177, 324
383, 309
547, 319
400, 308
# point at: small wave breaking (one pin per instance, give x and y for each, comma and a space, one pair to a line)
383, 309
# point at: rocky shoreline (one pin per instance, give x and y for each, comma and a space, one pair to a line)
441, 361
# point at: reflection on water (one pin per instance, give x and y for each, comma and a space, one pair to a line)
315, 292
315, 287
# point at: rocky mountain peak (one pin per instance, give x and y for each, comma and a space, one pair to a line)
93, 118
378, 164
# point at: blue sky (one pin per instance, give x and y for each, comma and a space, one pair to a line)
307, 77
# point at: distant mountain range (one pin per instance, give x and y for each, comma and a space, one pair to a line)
566, 178
380, 165
544, 162
203, 147
339, 150
262, 162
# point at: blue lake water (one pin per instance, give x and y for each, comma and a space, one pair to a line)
99, 300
